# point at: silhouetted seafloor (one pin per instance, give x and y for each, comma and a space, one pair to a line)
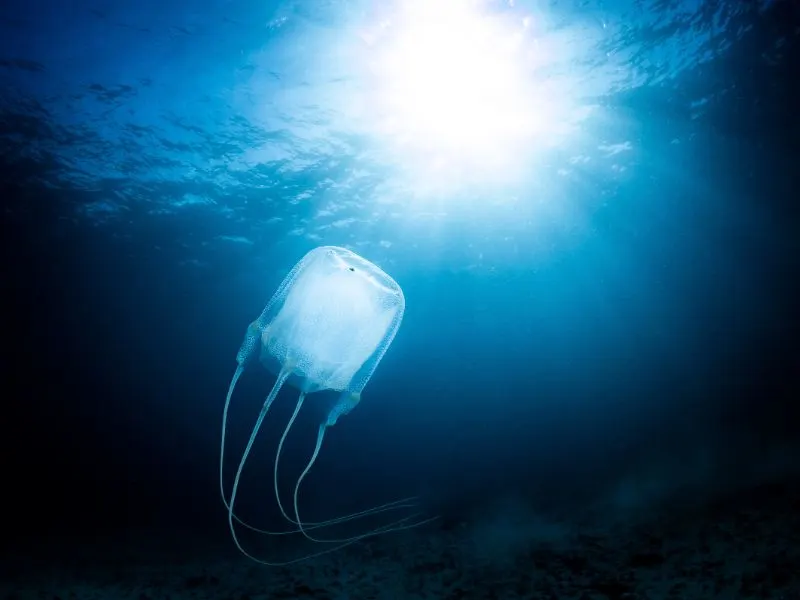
745, 545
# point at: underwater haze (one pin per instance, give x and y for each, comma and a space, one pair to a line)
591, 211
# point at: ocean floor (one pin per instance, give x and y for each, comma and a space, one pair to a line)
744, 546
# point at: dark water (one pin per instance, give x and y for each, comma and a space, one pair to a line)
601, 329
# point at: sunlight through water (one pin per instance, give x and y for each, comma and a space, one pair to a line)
439, 104
460, 89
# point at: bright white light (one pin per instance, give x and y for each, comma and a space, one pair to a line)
456, 86
441, 98
451, 79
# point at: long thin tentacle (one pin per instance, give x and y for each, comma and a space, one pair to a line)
230, 505
278, 456
236, 375
398, 525
282, 377
397, 504
394, 505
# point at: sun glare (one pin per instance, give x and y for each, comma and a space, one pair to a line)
455, 85
449, 79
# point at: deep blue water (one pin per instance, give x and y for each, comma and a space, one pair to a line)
601, 310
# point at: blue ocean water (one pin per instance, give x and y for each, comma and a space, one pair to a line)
590, 208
